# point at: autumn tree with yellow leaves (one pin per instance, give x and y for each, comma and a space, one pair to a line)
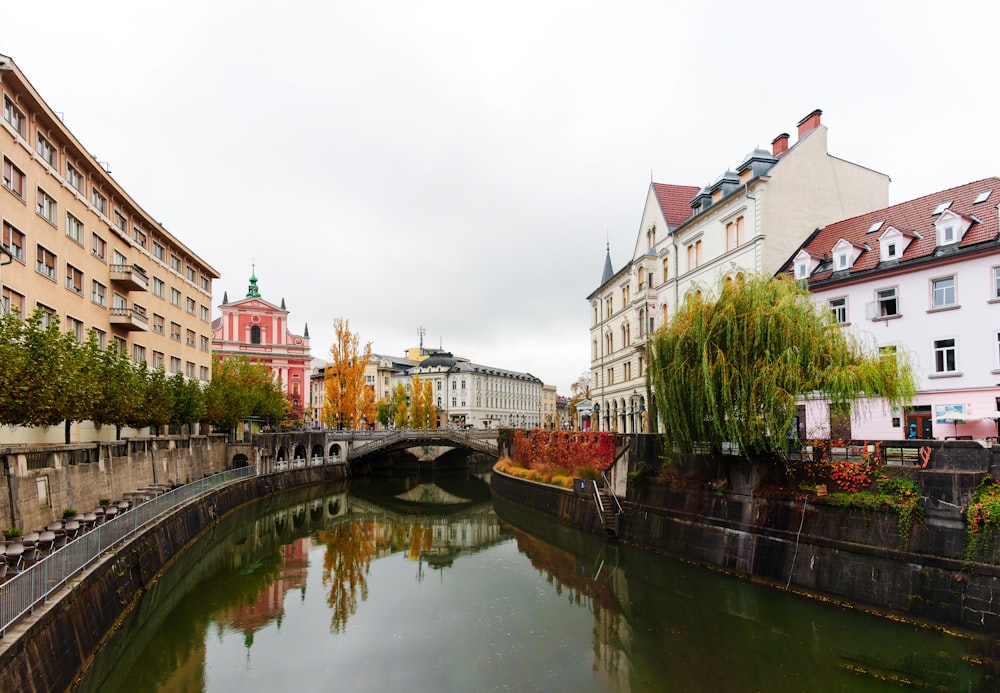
349, 400
423, 413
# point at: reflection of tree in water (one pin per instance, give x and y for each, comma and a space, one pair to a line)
560, 567
350, 548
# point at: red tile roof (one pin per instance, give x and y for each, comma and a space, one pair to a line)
907, 217
675, 202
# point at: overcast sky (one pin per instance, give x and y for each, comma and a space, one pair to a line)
460, 165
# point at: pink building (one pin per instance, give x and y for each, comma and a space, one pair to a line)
920, 279
259, 330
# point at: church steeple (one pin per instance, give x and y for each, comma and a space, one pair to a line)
253, 291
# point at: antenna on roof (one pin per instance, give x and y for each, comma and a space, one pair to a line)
421, 331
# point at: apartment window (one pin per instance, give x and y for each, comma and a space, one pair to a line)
74, 279
101, 337
205, 346
204, 313
996, 350
99, 201
628, 371
943, 292
13, 240
189, 369
190, 338
175, 297
454, 385
139, 236
121, 346
121, 222
45, 262
158, 323
887, 303
611, 376
13, 178
945, 356
996, 282
45, 205
158, 252
838, 306
731, 241
74, 228
13, 115
203, 373
138, 353
45, 150
666, 269
99, 294
626, 295
190, 305
694, 254
175, 263
73, 177
609, 305
75, 328
175, 332
48, 314
98, 247
118, 301
157, 361
204, 282
12, 301
159, 287
190, 274
175, 364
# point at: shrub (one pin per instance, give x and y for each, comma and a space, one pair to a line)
69, 512
12, 532
982, 517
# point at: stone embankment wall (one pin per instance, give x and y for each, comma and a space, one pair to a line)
57, 642
729, 513
40, 482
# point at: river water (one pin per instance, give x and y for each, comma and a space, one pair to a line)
425, 584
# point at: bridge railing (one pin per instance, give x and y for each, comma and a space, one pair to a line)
31, 587
476, 440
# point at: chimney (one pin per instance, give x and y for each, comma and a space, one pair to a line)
809, 123
779, 144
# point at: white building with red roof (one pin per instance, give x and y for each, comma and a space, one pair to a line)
690, 239
922, 278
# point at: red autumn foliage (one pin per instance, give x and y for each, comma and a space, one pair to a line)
550, 451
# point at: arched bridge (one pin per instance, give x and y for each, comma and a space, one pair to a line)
480, 441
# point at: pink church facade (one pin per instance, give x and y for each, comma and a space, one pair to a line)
259, 330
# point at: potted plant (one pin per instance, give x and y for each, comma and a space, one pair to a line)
68, 513
12, 533
105, 501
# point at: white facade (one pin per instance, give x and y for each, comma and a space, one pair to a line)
926, 283
690, 239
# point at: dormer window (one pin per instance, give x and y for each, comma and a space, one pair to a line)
845, 254
805, 265
951, 227
892, 243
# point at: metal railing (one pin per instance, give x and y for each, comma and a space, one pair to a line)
32, 586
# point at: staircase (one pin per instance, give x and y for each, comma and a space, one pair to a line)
607, 509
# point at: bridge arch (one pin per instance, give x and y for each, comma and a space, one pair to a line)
280, 455
335, 451
240, 460
300, 452
317, 451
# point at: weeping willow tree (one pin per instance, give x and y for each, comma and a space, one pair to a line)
732, 369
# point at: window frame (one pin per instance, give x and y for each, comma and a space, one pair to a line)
9, 234
882, 301
15, 117
14, 179
46, 206
42, 259
942, 353
77, 234
839, 312
940, 292
46, 151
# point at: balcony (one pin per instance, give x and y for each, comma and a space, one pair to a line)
647, 295
129, 318
131, 276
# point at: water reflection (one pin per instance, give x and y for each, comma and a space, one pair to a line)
330, 584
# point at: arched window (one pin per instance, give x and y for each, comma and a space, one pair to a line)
255, 334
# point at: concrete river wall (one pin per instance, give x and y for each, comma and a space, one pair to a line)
723, 513
49, 649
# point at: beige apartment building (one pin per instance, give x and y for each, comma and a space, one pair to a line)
83, 251
690, 239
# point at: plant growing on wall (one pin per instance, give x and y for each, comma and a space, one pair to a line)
732, 369
982, 517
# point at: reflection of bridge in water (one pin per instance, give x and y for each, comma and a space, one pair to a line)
279, 451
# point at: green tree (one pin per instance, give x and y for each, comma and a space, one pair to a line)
239, 390
121, 386
384, 411
188, 399
731, 370
401, 407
